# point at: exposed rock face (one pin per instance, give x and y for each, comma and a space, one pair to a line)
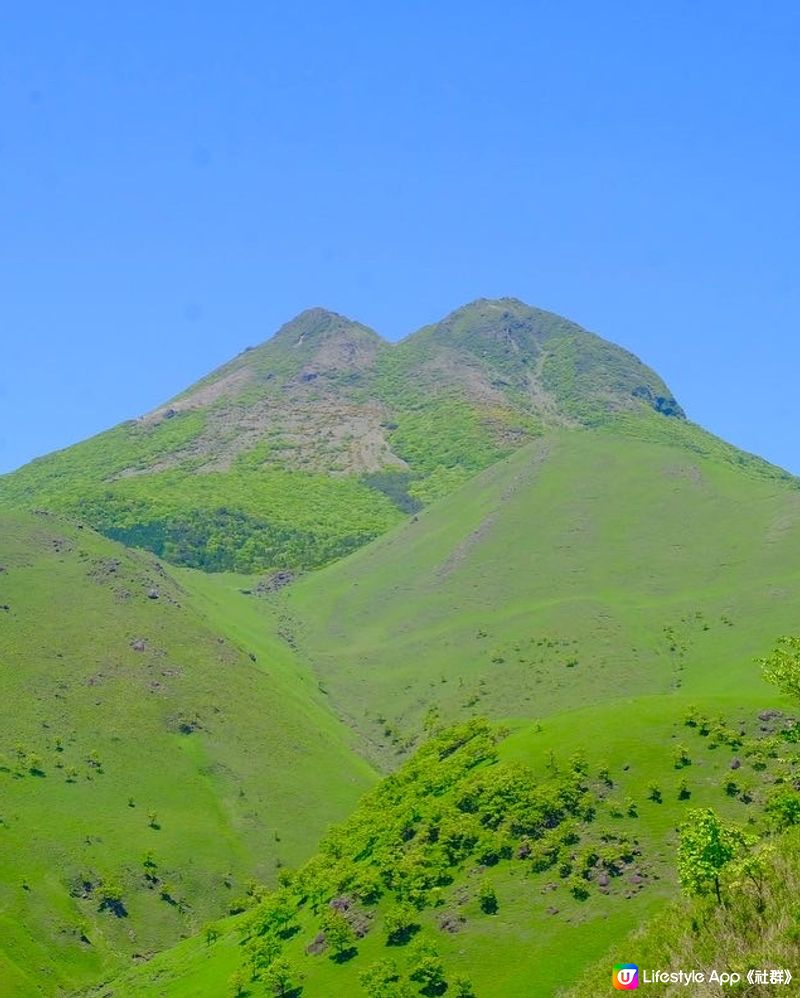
325, 393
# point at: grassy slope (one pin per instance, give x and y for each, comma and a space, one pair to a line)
586, 567
527, 948
257, 782
661, 568
748, 932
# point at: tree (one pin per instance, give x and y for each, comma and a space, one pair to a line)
400, 924
604, 775
579, 764
35, 765
110, 897
367, 884
750, 875
487, 898
783, 807
578, 888
338, 934
681, 757
427, 968
692, 716
262, 951
706, 846
238, 984
731, 787
782, 667
277, 913
654, 793
279, 977
150, 866
382, 980
462, 988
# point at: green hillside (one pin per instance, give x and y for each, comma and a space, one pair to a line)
310, 445
599, 591
157, 753
586, 567
501, 869
755, 930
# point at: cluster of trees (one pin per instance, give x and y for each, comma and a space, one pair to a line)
231, 521
740, 883
246, 519
452, 803
764, 770
220, 539
718, 731
27, 762
451, 807
426, 975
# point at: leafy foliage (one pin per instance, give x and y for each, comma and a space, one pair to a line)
782, 666
453, 806
707, 846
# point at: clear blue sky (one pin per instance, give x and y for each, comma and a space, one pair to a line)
176, 180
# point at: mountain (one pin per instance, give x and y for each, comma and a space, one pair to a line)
307, 447
515, 522
603, 595
505, 353
141, 718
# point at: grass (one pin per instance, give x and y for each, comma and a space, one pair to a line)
209, 746
585, 568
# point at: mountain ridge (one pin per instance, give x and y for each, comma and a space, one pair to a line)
517, 328
307, 446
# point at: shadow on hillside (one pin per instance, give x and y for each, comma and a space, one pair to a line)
345, 955
403, 936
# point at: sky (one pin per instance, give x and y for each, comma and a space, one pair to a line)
177, 180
